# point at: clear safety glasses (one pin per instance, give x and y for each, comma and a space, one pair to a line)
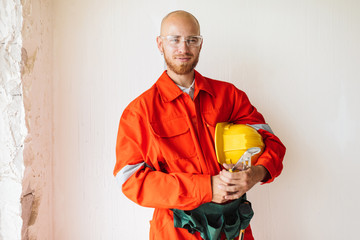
175, 41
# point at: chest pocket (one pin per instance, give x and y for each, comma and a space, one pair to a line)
212, 117
174, 138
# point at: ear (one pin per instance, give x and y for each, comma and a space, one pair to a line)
159, 43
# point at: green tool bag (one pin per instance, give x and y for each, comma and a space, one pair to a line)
210, 219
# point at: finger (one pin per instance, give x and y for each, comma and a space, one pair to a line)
240, 167
222, 189
226, 180
234, 196
231, 175
228, 166
231, 188
244, 181
219, 199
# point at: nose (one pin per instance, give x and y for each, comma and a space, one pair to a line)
183, 47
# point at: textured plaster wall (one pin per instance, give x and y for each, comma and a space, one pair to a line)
12, 120
37, 87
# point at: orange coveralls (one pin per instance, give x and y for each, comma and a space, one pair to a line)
165, 153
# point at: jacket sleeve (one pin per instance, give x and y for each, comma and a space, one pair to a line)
141, 179
244, 112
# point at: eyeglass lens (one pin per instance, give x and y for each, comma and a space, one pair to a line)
191, 41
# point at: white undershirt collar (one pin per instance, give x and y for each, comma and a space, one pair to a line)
190, 90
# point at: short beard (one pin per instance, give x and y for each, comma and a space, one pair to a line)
183, 68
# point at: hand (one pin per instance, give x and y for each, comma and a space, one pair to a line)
235, 184
218, 195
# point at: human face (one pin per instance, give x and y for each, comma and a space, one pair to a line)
183, 58
181, 61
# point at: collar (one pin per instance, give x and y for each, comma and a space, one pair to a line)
192, 86
190, 90
169, 90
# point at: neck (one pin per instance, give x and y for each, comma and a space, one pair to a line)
184, 80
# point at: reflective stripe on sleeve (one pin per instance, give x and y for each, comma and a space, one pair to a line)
265, 127
126, 172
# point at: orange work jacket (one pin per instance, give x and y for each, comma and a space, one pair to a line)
165, 154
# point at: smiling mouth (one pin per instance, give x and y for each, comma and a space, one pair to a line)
183, 59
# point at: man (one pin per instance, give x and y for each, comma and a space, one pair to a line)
165, 146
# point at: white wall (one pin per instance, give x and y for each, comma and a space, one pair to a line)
297, 60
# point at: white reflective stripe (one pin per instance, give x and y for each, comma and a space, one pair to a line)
265, 127
126, 172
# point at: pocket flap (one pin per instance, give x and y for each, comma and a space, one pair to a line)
170, 128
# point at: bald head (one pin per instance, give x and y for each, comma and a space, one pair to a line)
177, 18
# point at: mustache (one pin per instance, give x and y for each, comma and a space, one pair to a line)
184, 55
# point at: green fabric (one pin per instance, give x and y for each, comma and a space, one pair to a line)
210, 219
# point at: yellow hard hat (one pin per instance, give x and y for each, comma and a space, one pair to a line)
232, 141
